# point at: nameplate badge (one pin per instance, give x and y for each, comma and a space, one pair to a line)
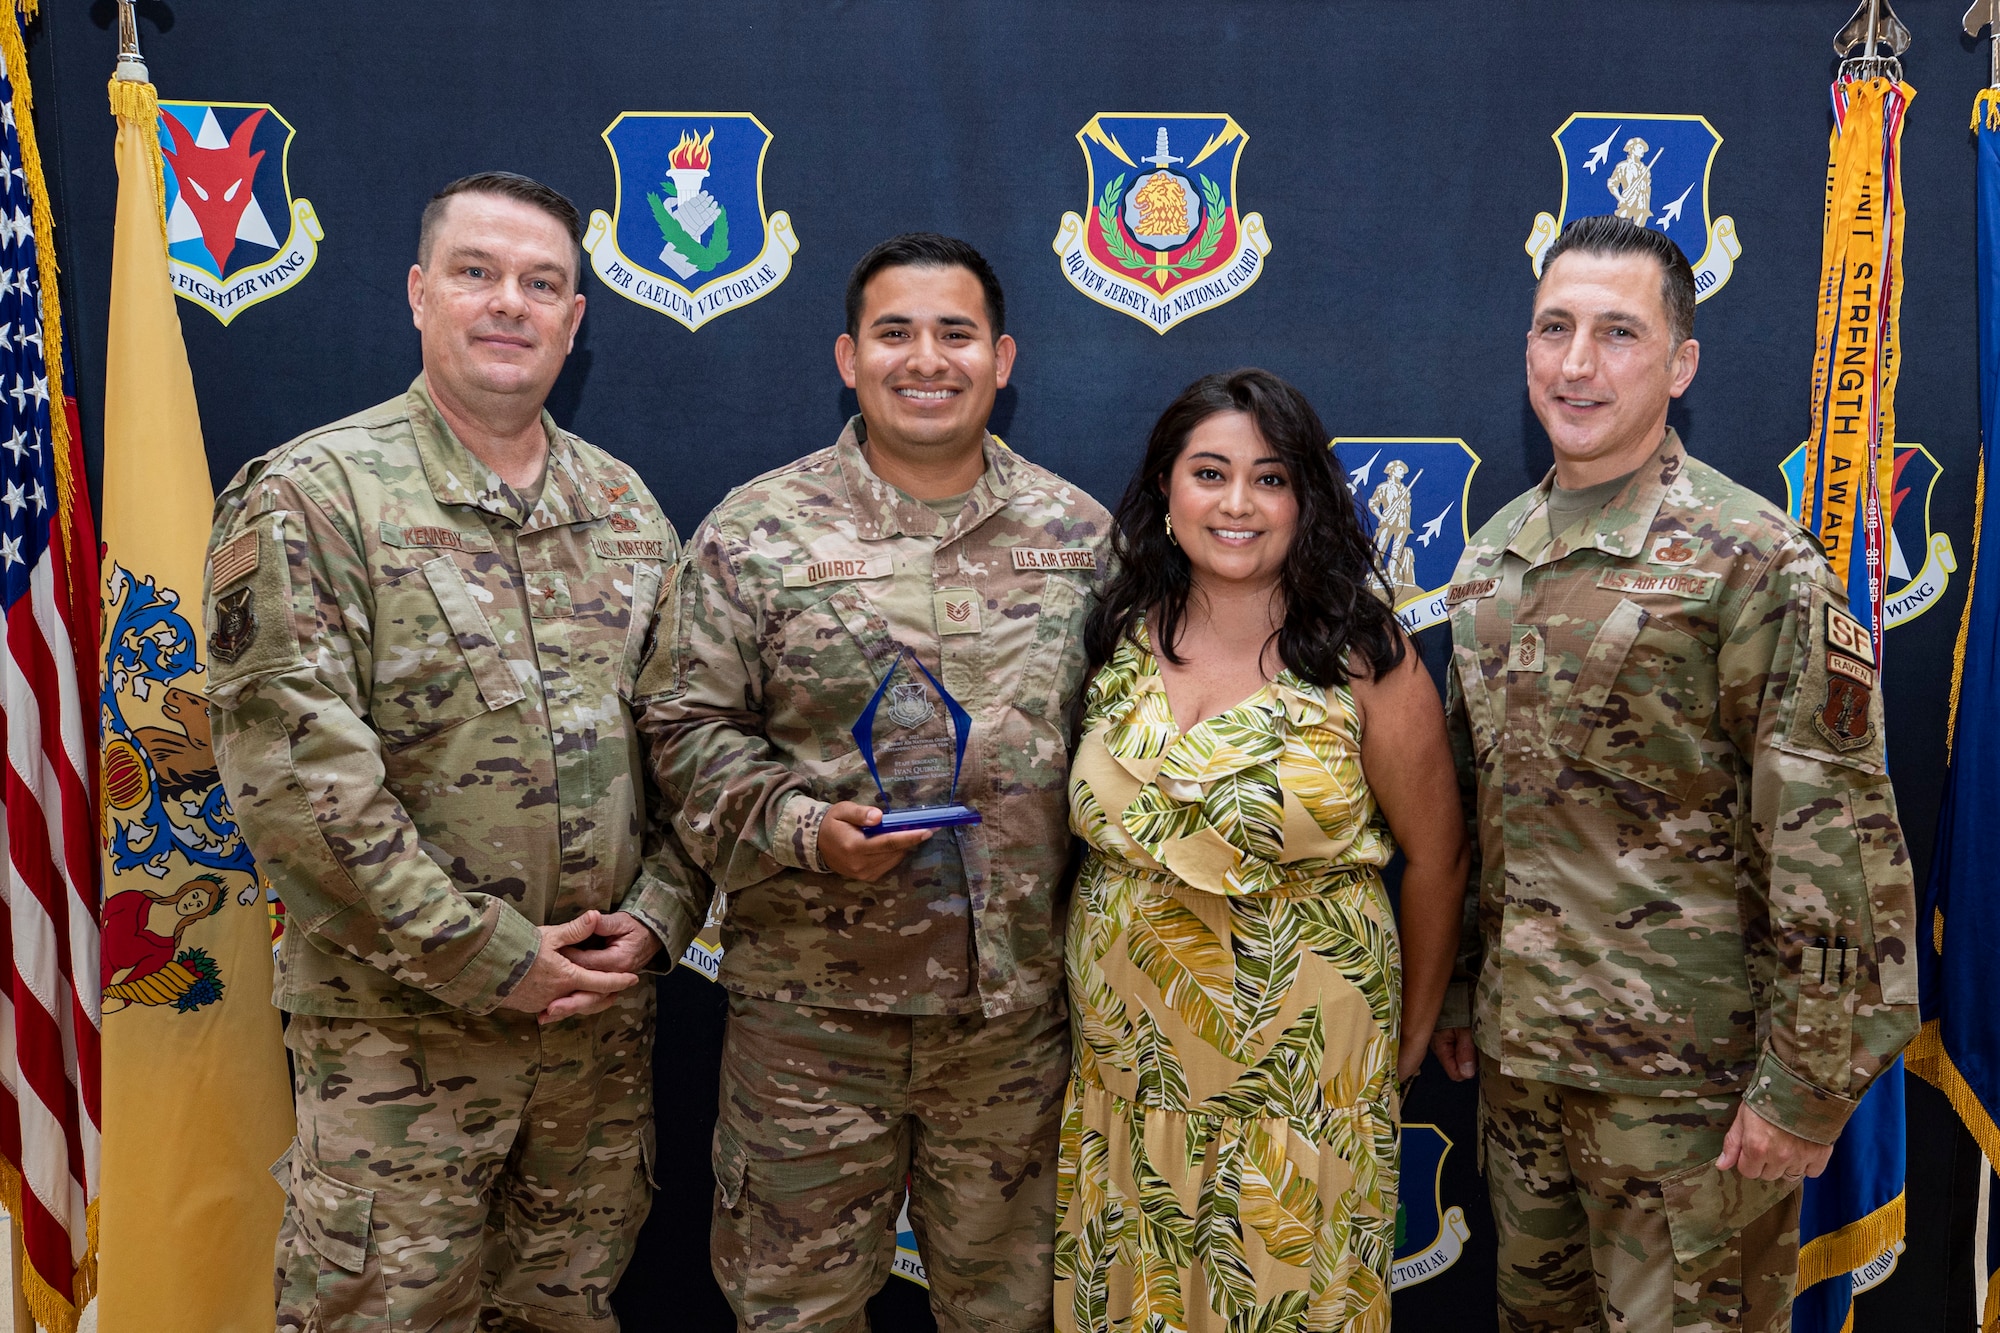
839, 570
1471, 591
431, 535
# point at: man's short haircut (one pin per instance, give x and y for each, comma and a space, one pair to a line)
508, 185
1610, 234
926, 249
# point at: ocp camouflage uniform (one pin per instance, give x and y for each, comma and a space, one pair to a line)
1693, 890
419, 691
916, 1024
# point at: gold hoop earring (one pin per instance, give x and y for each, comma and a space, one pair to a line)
1170, 530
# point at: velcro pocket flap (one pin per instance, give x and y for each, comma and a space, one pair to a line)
1706, 1206
497, 685
333, 1215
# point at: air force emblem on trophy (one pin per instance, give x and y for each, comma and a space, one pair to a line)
912, 735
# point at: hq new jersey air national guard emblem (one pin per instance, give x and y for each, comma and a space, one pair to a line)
1161, 238
1412, 496
1652, 171
688, 235
235, 234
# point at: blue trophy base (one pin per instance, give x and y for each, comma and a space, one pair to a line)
922, 817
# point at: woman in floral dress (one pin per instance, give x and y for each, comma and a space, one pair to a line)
1258, 739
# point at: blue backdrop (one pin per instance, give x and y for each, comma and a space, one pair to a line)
1398, 155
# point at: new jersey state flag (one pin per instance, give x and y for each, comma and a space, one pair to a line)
197, 1100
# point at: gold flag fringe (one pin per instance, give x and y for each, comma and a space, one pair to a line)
1989, 101
140, 104
52, 1310
1971, 582
16, 54
1838, 1253
1927, 1058
1989, 1317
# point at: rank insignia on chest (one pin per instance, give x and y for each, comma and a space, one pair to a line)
1526, 654
957, 611
235, 627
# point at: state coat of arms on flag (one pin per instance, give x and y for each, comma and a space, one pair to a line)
1161, 237
688, 235
1412, 494
1653, 172
235, 234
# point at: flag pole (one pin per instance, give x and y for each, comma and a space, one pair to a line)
24, 1318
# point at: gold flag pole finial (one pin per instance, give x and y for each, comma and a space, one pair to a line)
1860, 39
1986, 14
131, 65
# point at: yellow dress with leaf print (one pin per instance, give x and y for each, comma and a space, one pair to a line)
1229, 1133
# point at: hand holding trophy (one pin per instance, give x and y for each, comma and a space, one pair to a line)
913, 736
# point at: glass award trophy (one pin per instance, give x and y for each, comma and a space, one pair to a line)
912, 736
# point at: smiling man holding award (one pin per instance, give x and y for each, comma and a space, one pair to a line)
859, 724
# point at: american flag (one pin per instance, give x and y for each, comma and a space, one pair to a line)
49, 1067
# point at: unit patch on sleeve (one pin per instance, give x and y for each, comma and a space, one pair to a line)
235, 627
1843, 715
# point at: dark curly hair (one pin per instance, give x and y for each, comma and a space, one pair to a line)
1336, 594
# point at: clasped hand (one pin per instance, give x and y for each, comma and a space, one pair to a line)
582, 965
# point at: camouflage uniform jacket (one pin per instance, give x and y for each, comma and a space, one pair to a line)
794, 599
419, 702
1691, 876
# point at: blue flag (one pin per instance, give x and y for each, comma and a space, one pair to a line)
1958, 1048
1851, 1223
1851, 1219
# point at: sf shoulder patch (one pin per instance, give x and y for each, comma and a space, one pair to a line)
235, 625
1842, 713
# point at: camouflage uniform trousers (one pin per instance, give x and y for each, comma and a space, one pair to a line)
824, 1115
1612, 1218
455, 1171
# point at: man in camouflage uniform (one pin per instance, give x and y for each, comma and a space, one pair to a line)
896, 1005
1694, 902
426, 621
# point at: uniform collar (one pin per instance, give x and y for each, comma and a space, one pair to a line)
1626, 520
569, 493
880, 510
